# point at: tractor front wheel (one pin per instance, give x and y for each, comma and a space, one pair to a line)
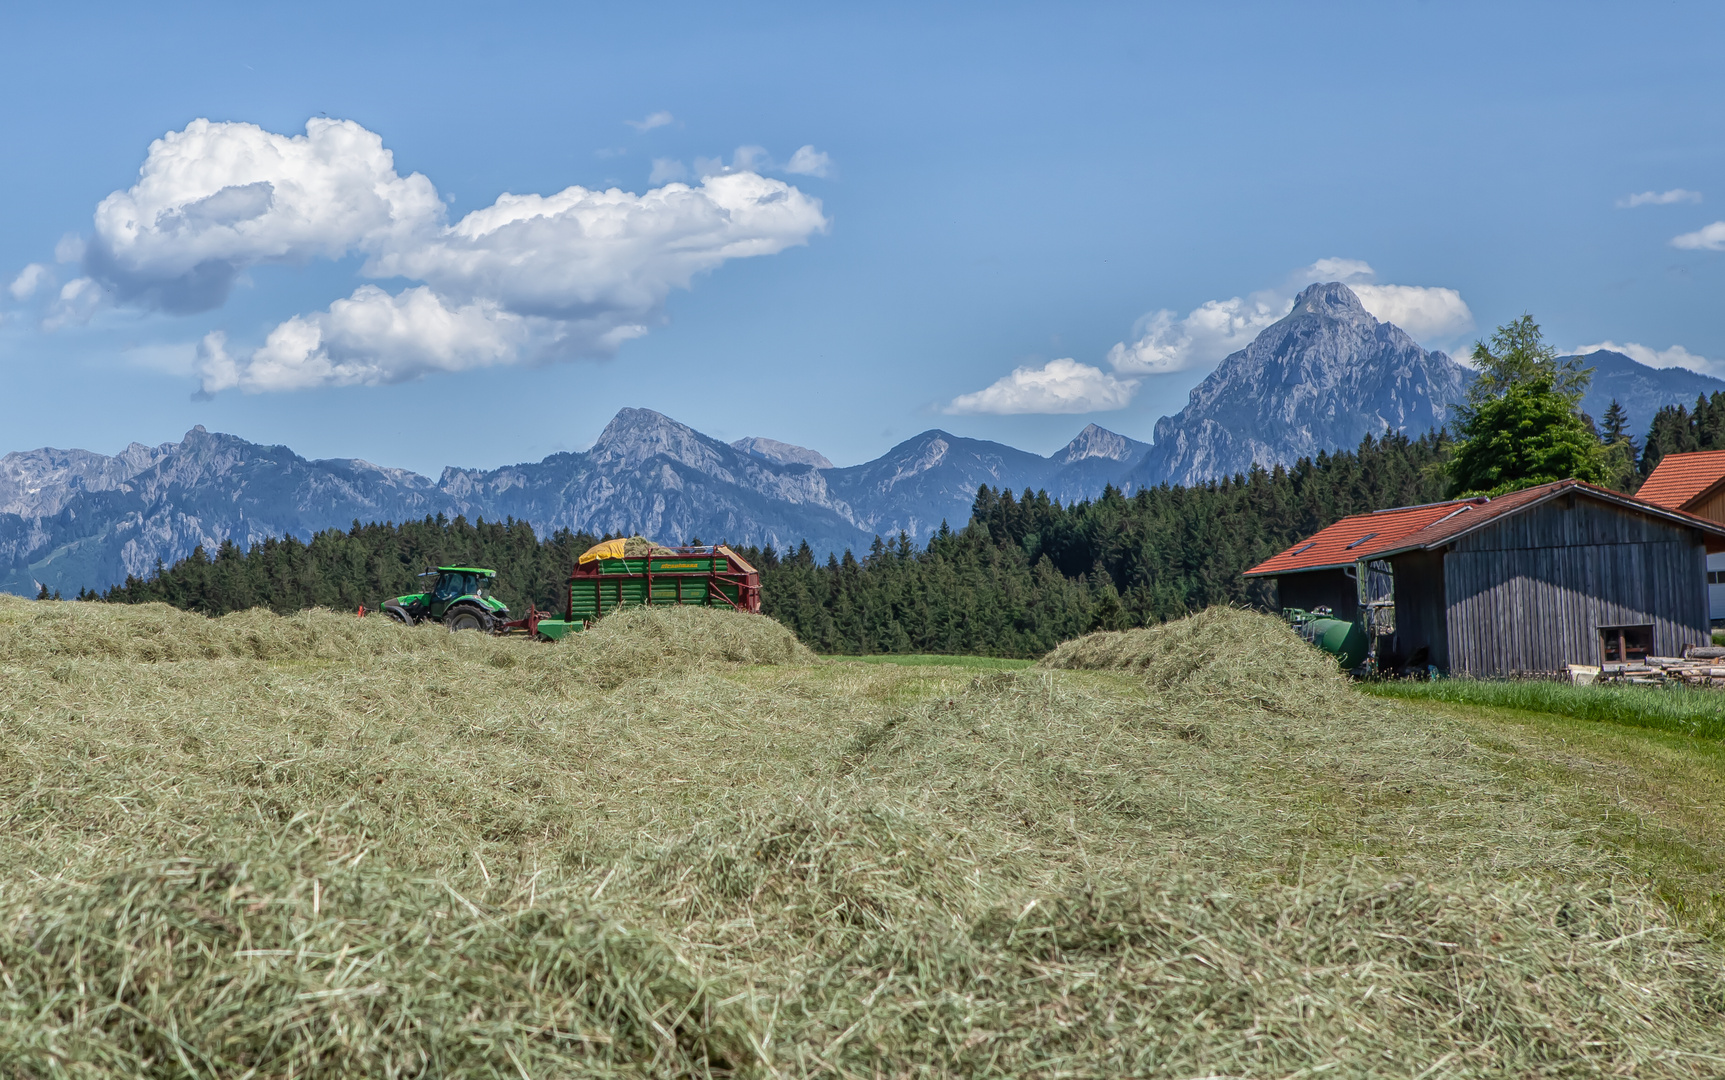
467, 618
399, 615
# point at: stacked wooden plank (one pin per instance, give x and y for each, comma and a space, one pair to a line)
1700, 666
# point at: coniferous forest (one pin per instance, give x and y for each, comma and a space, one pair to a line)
1022, 575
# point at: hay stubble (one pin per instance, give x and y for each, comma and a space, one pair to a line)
681, 845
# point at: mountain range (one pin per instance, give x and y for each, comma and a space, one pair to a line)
1320, 378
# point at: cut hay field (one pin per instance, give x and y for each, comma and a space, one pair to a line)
681, 845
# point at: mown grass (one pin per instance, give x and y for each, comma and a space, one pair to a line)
682, 845
1652, 795
1698, 713
980, 663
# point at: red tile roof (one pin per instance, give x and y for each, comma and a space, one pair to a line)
1680, 478
1414, 527
1360, 536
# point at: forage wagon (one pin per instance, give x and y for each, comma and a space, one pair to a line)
621, 573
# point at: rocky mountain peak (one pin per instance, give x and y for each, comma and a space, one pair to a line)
1322, 378
781, 453
1331, 298
634, 435
1097, 442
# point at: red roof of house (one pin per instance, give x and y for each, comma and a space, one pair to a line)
1680, 478
1386, 532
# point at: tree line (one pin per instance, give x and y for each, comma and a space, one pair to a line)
1025, 572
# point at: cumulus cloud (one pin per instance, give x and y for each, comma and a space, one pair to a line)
1659, 198
218, 197
30, 280
1710, 238
581, 254
651, 121
1166, 342
1675, 356
1424, 312
369, 338
808, 161
530, 278
1059, 386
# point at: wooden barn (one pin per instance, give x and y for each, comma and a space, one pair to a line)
1694, 483
1530, 582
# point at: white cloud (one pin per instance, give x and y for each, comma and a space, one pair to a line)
808, 161
370, 338
570, 254
1346, 271
1168, 343
218, 197
667, 169
1675, 356
1659, 198
29, 280
69, 249
531, 278
1710, 238
1425, 313
651, 121
79, 300
1059, 386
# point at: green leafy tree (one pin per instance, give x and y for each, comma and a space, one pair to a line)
1522, 423
1519, 355
1530, 435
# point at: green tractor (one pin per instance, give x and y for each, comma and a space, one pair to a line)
460, 600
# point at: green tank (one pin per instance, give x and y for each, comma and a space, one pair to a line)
1341, 638
1344, 640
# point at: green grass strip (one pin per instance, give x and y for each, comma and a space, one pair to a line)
1699, 713
991, 663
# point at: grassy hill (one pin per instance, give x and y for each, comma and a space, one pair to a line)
683, 845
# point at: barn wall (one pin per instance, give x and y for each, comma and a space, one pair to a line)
1529, 593
1421, 619
1712, 508
1316, 588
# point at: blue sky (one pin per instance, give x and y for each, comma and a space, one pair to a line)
985, 190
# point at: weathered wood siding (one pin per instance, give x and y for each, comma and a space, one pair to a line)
1315, 588
1712, 508
1420, 612
1530, 592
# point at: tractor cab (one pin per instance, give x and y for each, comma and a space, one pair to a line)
460, 598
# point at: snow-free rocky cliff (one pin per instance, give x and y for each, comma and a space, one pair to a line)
74, 518
1319, 379
1322, 378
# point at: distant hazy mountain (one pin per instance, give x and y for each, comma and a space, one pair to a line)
1320, 379
1641, 390
781, 453
72, 518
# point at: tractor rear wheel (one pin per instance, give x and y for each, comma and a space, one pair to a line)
467, 618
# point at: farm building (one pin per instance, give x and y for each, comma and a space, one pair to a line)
1694, 483
1563, 573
